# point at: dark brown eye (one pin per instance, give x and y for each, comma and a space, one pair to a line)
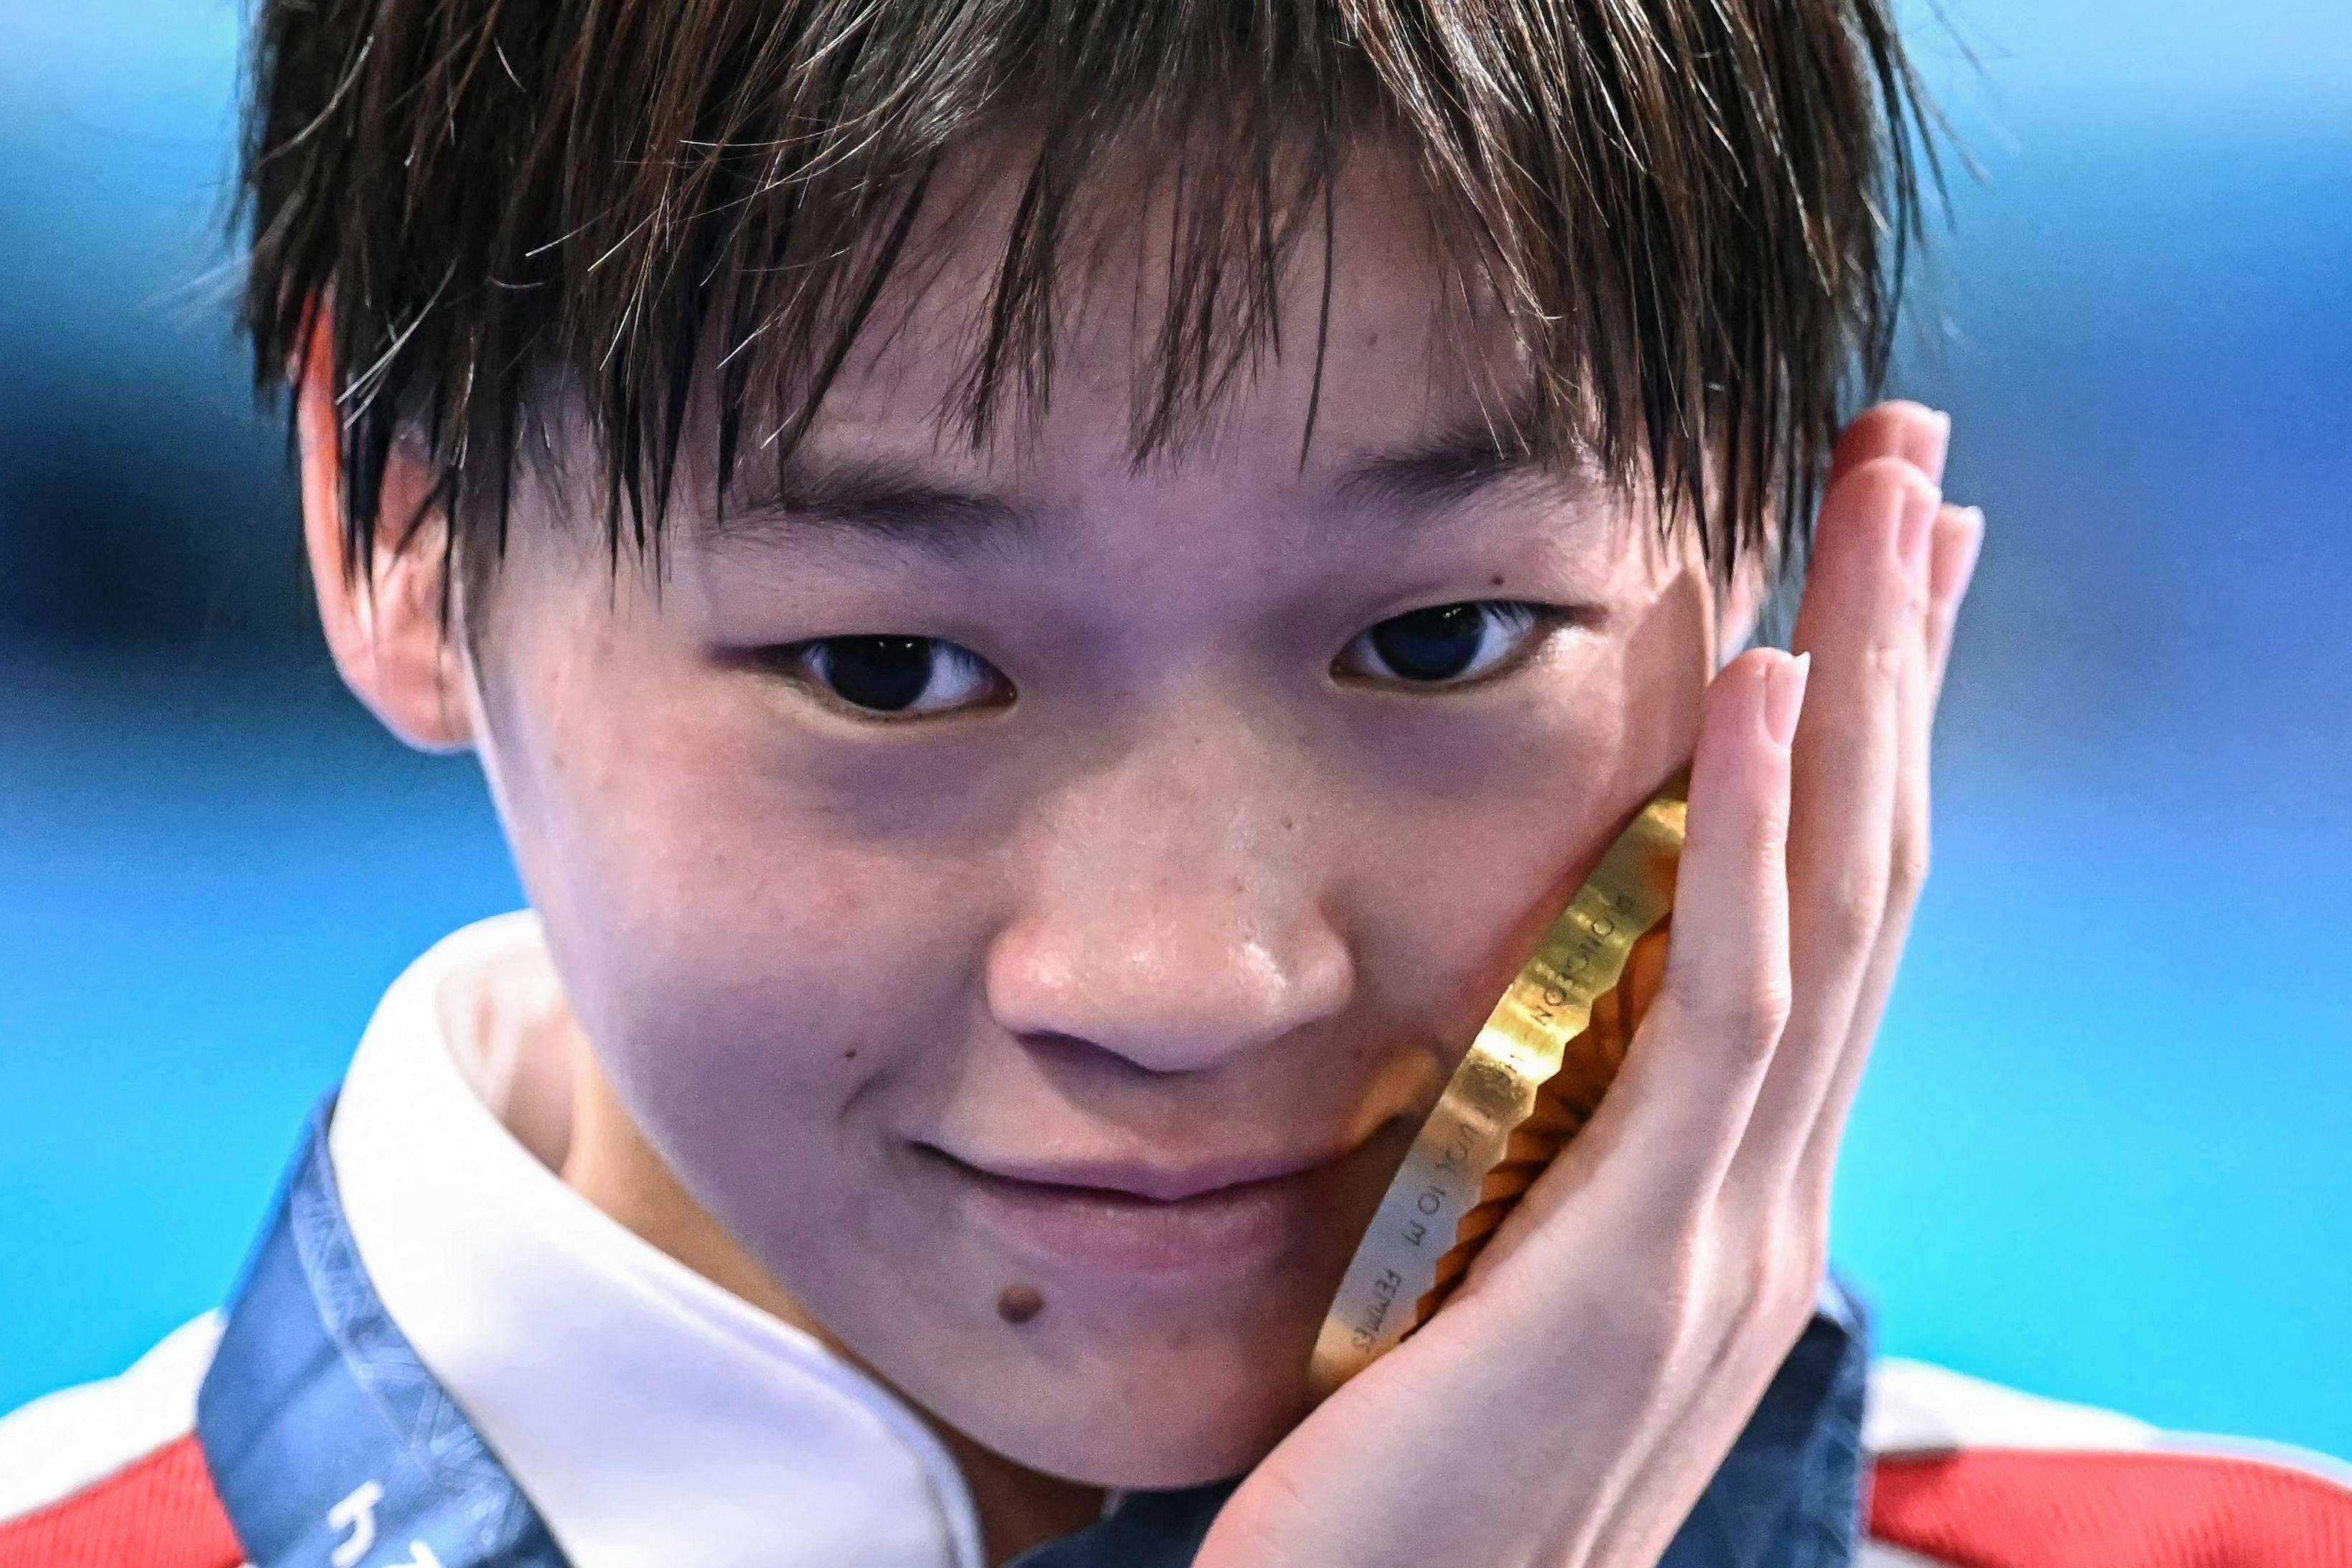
902, 676
1444, 643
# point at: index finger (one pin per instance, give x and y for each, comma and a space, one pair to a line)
1696, 1059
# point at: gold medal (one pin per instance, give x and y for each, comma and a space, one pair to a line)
1532, 1078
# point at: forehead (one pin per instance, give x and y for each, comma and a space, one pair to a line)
1381, 396
1362, 335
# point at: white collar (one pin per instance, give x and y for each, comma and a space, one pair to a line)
652, 1417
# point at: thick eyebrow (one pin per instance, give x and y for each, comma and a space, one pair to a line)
887, 500
1460, 460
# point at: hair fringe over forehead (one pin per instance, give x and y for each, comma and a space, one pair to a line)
1692, 213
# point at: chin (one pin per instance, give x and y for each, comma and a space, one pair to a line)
1180, 1422
1145, 1411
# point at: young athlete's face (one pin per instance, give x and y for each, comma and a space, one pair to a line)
1021, 881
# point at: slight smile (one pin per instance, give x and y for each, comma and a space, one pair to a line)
1176, 1223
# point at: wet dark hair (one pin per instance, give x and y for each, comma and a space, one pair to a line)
1692, 213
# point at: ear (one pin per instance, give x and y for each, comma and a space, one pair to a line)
384, 626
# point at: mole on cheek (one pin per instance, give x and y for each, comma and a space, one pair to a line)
1019, 1304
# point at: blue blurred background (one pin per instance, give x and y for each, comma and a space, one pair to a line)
2106, 1150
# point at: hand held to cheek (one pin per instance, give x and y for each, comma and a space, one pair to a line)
1531, 1080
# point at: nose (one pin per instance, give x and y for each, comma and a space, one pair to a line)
1178, 915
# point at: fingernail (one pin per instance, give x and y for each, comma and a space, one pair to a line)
1965, 568
1935, 443
1919, 506
1784, 697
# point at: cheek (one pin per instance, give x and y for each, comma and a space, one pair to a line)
747, 972
1493, 828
